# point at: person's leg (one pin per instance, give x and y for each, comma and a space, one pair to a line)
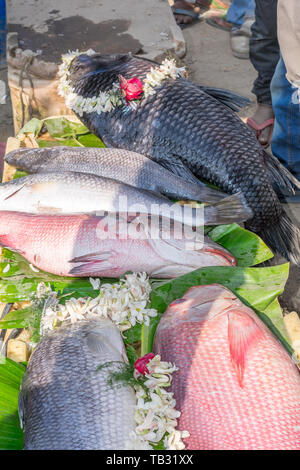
238, 10
285, 141
264, 55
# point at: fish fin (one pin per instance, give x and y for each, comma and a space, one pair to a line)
92, 263
243, 333
232, 100
91, 268
14, 192
230, 209
177, 167
281, 178
284, 237
91, 257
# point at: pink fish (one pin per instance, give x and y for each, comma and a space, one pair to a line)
237, 388
79, 245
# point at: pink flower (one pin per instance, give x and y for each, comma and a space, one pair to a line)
132, 88
141, 363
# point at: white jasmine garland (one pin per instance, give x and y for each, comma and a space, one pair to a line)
125, 303
106, 101
157, 75
155, 415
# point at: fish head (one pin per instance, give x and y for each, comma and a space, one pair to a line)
199, 304
104, 340
30, 160
218, 252
98, 70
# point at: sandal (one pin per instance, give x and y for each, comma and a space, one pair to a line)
258, 128
180, 11
219, 22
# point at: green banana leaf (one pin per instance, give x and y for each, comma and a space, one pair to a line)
256, 287
247, 247
11, 374
63, 130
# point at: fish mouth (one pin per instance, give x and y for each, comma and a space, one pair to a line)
223, 254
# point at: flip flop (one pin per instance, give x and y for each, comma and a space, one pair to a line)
260, 127
219, 22
195, 16
220, 5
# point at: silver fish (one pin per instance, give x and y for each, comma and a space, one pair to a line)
65, 402
69, 193
119, 164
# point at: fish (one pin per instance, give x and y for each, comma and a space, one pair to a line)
72, 192
87, 245
237, 387
65, 401
128, 167
183, 124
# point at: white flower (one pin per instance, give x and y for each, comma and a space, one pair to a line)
155, 414
95, 283
157, 75
125, 303
106, 101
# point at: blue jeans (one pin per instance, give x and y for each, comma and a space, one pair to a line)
2, 29
285, 141
239, 9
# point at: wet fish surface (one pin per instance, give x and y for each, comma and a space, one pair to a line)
183, 124
68, 193
237, 387
65, 402
82, 245
128, 167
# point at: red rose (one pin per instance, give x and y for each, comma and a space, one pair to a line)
132, 88
141, 363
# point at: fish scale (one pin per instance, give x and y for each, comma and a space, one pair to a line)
65, 403
82, 245
187, 121
222, 407
121, 165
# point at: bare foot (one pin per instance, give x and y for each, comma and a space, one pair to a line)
263, 115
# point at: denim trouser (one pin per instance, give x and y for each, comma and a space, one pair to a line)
2, 29
264, 48
239, 9
285, 141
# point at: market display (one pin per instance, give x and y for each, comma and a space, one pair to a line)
146, 323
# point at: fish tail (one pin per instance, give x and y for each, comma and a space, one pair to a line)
281, 178
284, 237
227, 211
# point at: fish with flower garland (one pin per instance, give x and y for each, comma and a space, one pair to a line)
120, 406
180, 124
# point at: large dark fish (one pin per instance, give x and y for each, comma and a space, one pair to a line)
183, 124
118, 164
65, 400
